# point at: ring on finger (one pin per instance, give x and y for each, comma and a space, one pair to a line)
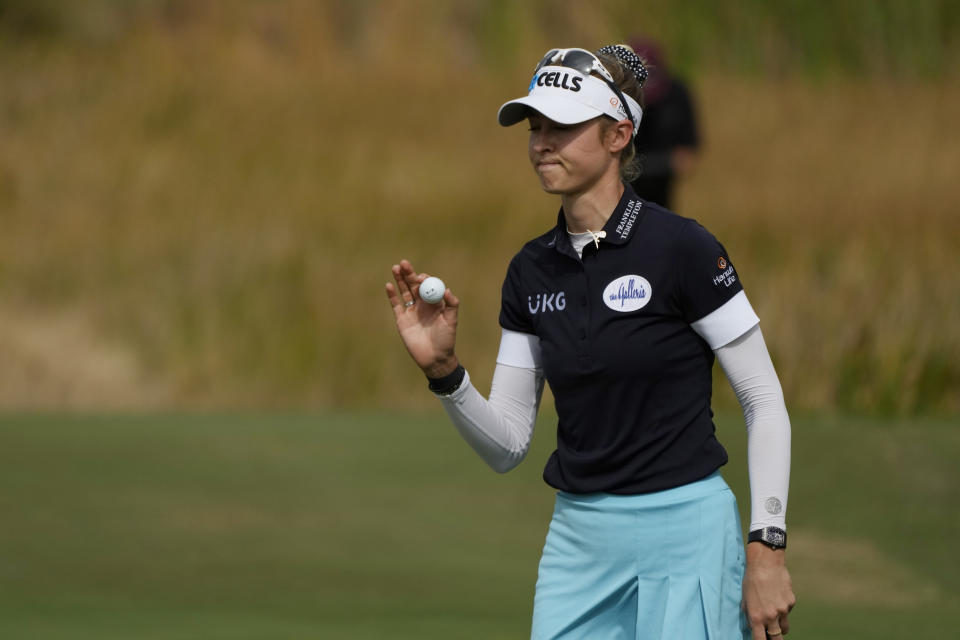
775, 632
408, 304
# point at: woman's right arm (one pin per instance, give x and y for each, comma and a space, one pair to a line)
499, 429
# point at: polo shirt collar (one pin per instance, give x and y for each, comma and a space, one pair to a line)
619, 227
625, 218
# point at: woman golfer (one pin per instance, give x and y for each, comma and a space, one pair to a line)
622, 307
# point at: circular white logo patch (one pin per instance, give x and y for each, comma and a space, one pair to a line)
627, 293
773, 505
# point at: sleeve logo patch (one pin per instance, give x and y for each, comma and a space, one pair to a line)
727, 275
627, 293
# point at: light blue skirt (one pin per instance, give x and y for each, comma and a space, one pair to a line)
658, 565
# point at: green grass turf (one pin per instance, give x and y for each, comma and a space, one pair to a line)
387, 526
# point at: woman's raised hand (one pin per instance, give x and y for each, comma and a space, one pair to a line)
429, 331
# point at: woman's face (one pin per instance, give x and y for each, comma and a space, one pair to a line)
569, 159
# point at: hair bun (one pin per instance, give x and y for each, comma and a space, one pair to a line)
628, 58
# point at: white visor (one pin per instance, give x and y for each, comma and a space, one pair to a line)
567, 96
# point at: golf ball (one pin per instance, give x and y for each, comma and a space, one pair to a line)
431, 290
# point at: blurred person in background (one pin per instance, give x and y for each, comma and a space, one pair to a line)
668, 139
622, 307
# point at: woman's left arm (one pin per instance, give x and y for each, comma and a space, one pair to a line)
767, 590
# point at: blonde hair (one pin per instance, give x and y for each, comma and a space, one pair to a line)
628, 83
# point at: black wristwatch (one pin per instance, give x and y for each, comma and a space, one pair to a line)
773, 537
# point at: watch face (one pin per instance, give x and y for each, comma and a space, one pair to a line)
776, 537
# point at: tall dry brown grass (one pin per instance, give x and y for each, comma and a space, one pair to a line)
220, 196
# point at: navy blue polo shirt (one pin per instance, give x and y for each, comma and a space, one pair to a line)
630, 376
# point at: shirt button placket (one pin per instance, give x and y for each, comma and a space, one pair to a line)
583, 350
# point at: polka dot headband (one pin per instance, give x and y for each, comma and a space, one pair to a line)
628, 59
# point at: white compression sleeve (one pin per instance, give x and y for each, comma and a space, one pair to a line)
748, 367
499, 429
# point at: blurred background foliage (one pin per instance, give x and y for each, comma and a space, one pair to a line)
200, 201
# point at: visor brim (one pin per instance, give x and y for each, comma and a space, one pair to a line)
553, 107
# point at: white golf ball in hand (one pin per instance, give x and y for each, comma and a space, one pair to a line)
431, 290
